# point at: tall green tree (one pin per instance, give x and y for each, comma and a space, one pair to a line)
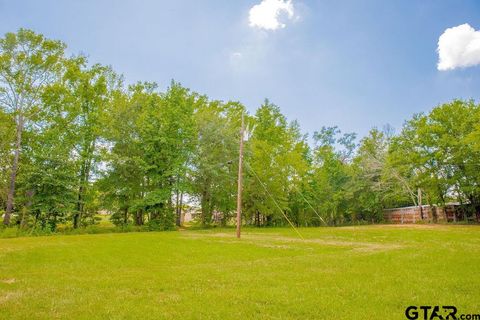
367, 190
214, 165
88, 93
167, 134
28, 62
125, 181
274, 156
436, 152
6, 146
332, 173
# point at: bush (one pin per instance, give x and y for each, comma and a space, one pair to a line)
160, 224
9, 232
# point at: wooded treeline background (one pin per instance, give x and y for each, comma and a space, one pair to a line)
74, 140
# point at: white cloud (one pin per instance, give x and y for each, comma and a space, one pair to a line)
266, 14
458, 47
236, 55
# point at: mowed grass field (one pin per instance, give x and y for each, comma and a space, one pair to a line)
371, 272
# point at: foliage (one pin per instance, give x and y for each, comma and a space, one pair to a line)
437, 152
75, 141
214, 161
28, 63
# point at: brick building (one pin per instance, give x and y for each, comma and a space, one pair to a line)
451, 212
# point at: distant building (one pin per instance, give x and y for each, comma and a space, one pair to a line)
451, 212
192, 214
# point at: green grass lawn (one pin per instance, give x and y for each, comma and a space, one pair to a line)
371, 272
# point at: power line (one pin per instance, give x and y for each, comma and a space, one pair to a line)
276, 203
308, 202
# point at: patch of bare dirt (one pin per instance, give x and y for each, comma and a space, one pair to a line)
409, 226
9, 296
8, 281
282, 242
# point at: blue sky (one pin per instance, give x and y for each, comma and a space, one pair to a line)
355, 64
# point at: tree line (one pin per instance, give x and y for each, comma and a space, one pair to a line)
76, 140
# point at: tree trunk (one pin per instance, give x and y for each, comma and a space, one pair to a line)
25, 210
139, 218
180, 212
13, 176
205, 204
420, 204
84, 177
269, 220
78, 214
125, 216
177, 208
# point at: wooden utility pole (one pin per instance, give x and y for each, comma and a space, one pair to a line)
239, 194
